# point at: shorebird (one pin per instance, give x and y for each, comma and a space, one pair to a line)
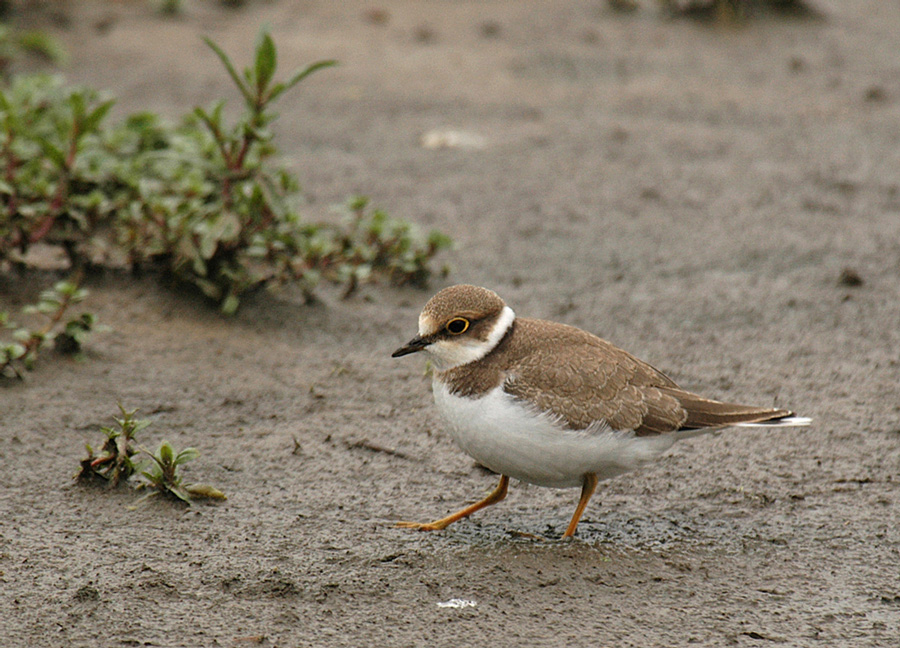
551, 404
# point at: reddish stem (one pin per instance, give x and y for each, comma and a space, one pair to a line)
101, 460
62, 191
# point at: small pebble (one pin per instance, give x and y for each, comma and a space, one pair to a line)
850, 277
490, 29
376, 16
875, 94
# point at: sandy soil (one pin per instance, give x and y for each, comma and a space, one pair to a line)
691, 193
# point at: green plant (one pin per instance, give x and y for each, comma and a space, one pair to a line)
168, 7
228, 226
373, 241
164, 479
57, 175
200, 200
14, 43
114, 465
22, 351
729, 11
116, 462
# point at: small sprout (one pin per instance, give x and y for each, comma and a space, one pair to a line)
114, 465
163, 475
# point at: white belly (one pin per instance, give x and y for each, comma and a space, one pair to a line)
506, 437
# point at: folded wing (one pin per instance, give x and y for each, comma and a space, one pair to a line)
591, 381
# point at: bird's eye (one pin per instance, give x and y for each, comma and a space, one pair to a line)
457, 325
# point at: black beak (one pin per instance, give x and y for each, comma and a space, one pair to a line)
416, 344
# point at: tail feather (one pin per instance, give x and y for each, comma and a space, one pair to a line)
785, 421
706, 413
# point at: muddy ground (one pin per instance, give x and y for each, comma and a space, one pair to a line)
690, 192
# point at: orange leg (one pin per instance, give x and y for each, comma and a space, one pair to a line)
496, 495
587, 489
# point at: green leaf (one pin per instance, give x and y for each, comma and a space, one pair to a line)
357, 203
15, 351
298, 77
51, 151
66, 288
138, 426
209, 288
40, 42
266, 61
248, 96
93, 119
212, 118
165, 454
205, 490
188, 454
230, 304
46, 306
180, 493
207, 245
439, 241
76, 101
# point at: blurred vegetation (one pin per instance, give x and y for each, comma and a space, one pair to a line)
19, 349
201, 200
723, 11
16, 43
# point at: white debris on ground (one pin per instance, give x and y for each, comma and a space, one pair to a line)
456, 603
444, 138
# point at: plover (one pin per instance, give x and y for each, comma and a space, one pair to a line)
552, 405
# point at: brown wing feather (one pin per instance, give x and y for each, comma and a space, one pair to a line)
583, 379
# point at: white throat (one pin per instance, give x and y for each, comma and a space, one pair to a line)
447, 354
